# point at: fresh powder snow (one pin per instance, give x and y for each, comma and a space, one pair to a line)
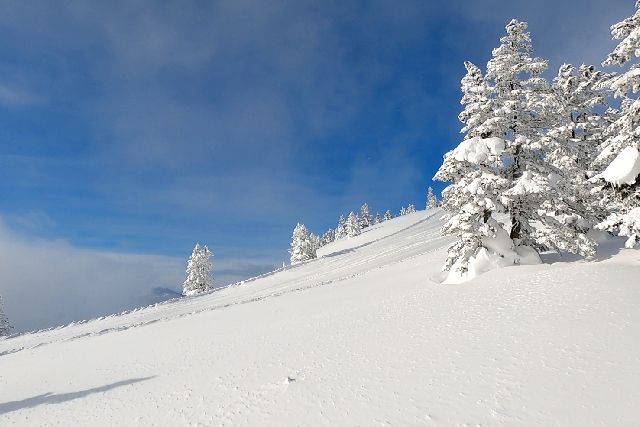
624, 169
360, 336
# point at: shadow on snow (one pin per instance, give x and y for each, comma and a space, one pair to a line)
52, 398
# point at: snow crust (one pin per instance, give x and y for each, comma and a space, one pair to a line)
479, 150
357, 337
624, 169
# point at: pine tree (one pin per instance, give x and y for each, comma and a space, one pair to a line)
328, 237
352, 225
5, 327
411, 209
365, 220
403, 211
619, 157
432, 200
199, 275
341, 229
303, 247
387, 215
474, 169
377, 219
315, 241
516, 107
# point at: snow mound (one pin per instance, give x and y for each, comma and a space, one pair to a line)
479, 150
624, 169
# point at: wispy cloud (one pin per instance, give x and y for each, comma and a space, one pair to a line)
17, 96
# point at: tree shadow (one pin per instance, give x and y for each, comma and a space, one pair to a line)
606, 249
52, 398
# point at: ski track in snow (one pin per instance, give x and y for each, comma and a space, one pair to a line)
546, 345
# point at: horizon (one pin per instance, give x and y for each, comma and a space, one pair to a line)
134, 131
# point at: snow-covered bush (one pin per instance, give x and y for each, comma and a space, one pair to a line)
199, 272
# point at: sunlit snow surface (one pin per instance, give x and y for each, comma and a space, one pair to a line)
624, 169
361, 336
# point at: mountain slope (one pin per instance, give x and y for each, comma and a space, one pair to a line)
360, 336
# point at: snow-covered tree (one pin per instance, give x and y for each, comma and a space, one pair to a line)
403, 211
199, 272
517, 115
327, 237
475, 170
387, 215
365, 218
5, 327
341, 228
352, 225
377, 219
410, 209
316, 242
432, 200
619, 154
302, 246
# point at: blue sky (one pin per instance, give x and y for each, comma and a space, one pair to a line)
142, 127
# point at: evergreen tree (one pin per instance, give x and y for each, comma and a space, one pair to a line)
377, 219
365, 218
302, 245
352, 225
619, 157
328, 237
315, 241
410, 209
387, 215
474, 169
518, 95
432, 200
341, 229
5, 327
403, 211
199, 272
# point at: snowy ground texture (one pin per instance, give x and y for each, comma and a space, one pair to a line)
361, 336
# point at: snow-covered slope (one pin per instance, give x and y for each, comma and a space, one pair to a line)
360, 336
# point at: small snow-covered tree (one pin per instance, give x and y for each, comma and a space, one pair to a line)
365, 218
352, 225
403, 211
411, 209
302, 246
316, 242
620, 153
387, 215
327, 237
199, 272
5, 327
432, 200
341, 228
377, 219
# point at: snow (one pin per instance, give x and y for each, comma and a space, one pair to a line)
624, 169
357, 337
479, 150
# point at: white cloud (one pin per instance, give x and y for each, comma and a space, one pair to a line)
52, 282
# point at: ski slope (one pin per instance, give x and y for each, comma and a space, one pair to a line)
361, 336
